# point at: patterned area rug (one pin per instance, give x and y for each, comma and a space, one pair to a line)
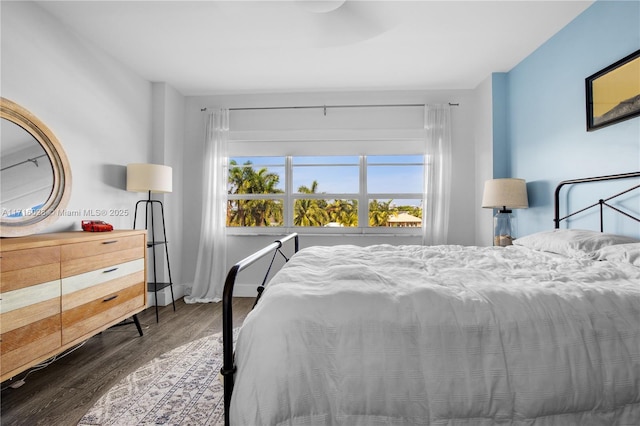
180, 387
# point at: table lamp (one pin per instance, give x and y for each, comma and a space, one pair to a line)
505, 195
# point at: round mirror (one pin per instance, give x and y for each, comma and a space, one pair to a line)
35, 178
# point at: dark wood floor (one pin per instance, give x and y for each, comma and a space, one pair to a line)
63, 392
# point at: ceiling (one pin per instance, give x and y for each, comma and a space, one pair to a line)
229, 47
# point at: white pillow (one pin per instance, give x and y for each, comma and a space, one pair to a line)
626, 253
577, 243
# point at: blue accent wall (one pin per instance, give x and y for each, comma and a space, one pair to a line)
544, 102
501, 151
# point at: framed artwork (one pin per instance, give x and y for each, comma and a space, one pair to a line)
613, 93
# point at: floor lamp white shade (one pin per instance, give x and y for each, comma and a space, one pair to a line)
142, 177
157, 178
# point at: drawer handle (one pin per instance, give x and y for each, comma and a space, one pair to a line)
110, 298
110, 242
109, 270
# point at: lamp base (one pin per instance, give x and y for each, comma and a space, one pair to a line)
502, 240
503, 228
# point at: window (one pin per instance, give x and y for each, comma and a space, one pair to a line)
256, 191
394, 186
326, 191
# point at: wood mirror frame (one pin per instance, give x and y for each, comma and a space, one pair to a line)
53, 207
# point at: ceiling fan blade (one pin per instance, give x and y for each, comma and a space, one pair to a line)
349, 22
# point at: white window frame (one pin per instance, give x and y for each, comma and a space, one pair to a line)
289, 196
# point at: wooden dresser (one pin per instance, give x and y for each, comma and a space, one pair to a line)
59, 289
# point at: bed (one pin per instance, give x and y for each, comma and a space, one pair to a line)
544, 332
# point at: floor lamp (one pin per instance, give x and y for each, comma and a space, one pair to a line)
154, 178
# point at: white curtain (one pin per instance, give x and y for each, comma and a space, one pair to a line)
212, 254
437, 176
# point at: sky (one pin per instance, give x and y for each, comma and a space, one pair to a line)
340, 174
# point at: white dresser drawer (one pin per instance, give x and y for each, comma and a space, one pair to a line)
89, 279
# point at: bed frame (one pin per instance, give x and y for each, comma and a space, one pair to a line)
228, 366
601, 202
228, 369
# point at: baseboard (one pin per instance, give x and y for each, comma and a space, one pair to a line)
164, 295
245, 290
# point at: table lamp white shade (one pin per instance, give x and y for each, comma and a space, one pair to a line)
509, 193
143, 177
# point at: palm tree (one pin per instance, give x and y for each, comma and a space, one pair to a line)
253, 212
310, 211
304, 190
379, 212
344, 212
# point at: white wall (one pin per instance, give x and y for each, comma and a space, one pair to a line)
102, 114
463, 209
483, 158
167, 148
98, 109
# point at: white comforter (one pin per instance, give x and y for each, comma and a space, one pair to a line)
403, 335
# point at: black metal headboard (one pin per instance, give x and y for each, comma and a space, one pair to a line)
601, 202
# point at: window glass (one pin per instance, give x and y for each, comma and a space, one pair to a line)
326, 179
255, 212
337, 213
325, 191
256, 175
326, 174
395, 174
400, 213
394, 179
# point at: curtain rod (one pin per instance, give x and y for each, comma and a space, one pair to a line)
33, 160
325, 107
